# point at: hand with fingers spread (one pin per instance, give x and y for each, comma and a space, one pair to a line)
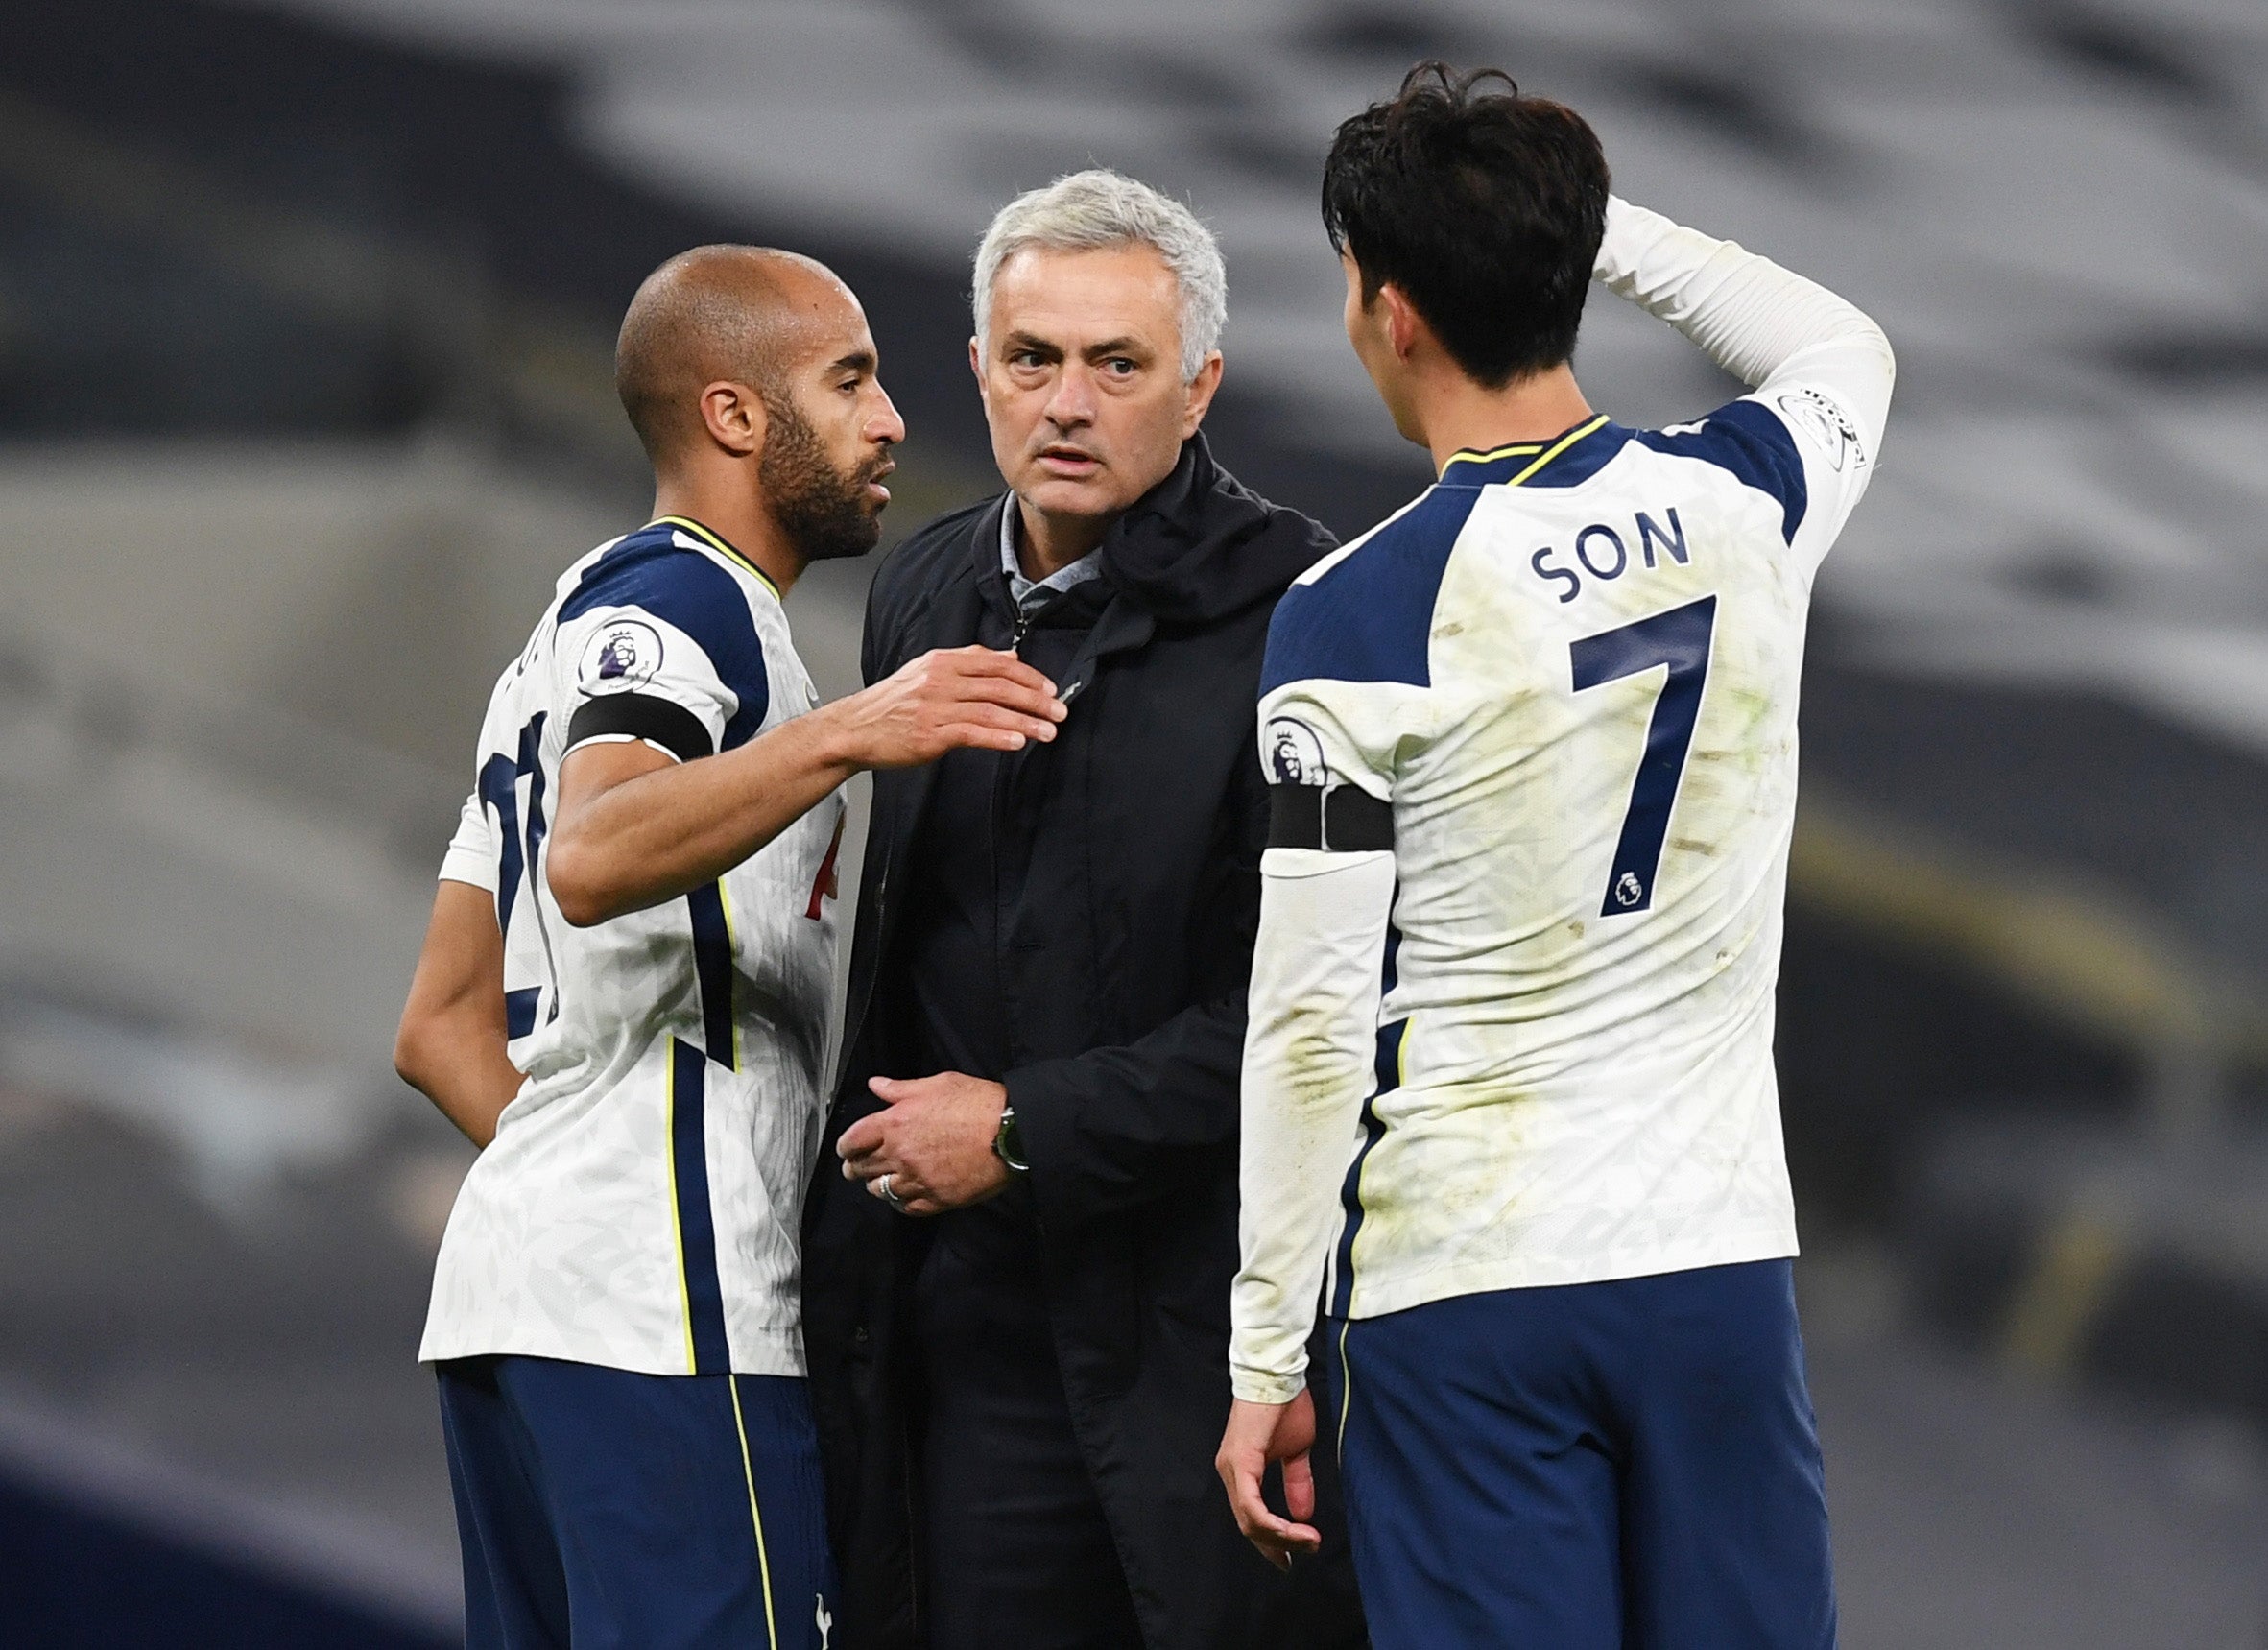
945, 700
1258, 1434
931, 1148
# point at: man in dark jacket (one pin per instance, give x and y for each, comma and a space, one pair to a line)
1018, 1340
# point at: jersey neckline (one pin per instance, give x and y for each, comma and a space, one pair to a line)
1525, 462
718, 543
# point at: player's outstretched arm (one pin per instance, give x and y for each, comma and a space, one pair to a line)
450, 1047
635, 828
1758, 322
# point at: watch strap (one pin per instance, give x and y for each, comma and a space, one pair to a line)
1007, 1142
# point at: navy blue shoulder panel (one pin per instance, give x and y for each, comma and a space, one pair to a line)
1747, 438
1371, 617
650, 572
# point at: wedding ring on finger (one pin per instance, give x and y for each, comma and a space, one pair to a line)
882, 1188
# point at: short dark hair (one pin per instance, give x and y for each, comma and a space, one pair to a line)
1484, 207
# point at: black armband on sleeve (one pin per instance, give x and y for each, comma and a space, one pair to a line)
1342, 819
662, 722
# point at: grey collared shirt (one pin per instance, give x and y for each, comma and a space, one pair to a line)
1031, 593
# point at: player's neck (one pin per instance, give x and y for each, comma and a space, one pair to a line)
739, 519
1457, 415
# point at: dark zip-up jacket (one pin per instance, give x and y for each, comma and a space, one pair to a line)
1123, 968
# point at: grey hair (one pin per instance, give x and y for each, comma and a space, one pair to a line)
1088, 210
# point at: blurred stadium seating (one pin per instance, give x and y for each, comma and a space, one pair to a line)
305, 318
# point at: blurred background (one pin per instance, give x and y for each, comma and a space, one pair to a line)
306, 316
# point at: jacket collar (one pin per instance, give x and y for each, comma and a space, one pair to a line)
1193, 550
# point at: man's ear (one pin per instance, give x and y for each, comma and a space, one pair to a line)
1404, 325
734, 415
1202, 390
976, 362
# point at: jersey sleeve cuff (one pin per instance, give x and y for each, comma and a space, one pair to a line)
469, 864
1256, 1386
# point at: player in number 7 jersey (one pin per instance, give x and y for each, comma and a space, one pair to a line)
1510, 1110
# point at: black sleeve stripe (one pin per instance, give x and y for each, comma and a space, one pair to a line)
1294, 816
660, 721
1343, 819
1355, 821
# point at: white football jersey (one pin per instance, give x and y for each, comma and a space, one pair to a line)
639, 1207
1534, 740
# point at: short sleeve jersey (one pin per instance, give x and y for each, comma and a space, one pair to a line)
641, 1204
1570, 669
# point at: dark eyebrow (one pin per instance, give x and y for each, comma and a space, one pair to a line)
1116, 346
858, 361
1020, 341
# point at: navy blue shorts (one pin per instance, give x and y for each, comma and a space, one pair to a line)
604, 1510
1621, 1466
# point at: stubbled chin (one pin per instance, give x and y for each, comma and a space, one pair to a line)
1081, 495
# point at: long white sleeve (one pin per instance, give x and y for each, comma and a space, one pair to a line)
1309, 1051
1817, 360
1763, 324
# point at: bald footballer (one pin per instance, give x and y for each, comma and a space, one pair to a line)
624, 992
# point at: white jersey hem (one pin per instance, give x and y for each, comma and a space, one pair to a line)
774, 1356
1375, 1297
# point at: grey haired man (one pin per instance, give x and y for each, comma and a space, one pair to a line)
1017, 1263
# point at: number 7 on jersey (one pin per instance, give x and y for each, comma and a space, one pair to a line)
1679, 639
